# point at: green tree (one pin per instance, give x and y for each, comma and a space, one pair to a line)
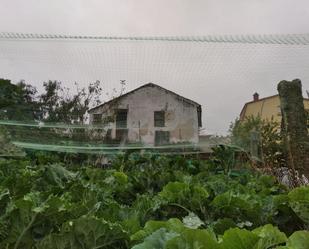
294, 124
58, 104
17, 101
270, 149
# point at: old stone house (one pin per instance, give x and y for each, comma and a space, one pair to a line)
150, 115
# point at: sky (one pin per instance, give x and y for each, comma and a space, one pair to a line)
155, 17
221, 77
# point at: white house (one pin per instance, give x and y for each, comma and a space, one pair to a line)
150, 115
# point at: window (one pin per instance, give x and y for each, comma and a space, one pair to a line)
121, 118
96, 118
108, 136
159, 118
121, 135
162, 137
199, 116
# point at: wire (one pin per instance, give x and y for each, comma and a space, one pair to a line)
287, 39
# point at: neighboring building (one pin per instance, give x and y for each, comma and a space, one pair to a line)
267, 108
150, 115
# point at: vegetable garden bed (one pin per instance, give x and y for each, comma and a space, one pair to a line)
147, 201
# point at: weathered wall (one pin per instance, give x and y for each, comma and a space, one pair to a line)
181, 117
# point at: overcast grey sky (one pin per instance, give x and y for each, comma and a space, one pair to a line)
222, 77
155, 17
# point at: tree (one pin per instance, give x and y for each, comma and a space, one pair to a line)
58, 104
294, 124
17, 101
270, 149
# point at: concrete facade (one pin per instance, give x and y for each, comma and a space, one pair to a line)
182, 117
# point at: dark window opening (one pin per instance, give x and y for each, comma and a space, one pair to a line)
159, 118
96, 118
121, 118
108, 136
199, 116
162, 137
121, 135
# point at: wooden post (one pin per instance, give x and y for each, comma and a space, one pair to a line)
254, 144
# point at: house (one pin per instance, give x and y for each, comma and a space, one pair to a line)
267, 108
151, 115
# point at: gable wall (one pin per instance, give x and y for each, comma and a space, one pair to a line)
181, 118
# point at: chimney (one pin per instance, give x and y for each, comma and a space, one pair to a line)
256, 97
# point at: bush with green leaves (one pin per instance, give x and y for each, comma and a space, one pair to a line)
268, 139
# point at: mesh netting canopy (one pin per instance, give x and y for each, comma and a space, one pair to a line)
219, 72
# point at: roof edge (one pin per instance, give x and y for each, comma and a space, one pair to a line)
140, 87
262, 99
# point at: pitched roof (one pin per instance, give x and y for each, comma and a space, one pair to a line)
256, 101
143, 86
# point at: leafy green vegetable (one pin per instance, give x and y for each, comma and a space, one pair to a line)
270, 236
173, 225
221, 225
145, 201
157, 239
299, 240
236, 238
193, 239
299, 202
85, 232
192, 221
175, 192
